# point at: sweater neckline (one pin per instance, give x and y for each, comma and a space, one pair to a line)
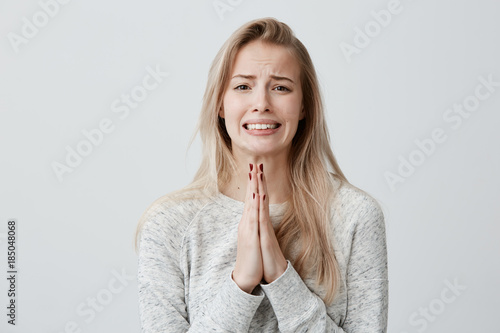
275, 210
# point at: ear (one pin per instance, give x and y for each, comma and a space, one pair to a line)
221, 112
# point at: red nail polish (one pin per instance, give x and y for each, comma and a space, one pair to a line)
261, 167
250, 175
254, 195
251, 166
261, 176
264, 198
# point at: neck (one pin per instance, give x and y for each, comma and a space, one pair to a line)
275, 171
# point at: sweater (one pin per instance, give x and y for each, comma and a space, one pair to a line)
187, 253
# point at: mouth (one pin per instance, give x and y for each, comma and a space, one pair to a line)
257, 127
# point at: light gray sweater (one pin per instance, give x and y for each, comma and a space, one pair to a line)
187, 253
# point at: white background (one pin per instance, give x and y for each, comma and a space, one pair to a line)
75, 234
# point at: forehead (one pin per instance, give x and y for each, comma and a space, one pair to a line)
259, 57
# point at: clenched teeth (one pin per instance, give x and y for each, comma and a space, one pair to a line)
260, 126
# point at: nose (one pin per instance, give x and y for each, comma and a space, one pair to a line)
261, 100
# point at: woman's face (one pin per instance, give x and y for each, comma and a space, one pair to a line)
262, 103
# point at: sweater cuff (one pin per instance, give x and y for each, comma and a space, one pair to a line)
291, 299
234, 308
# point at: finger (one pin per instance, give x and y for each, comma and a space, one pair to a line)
249, 191
263, 180
264, 202
255, 198
255, 184
255, 194
255, 207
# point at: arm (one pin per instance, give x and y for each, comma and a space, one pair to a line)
161, 286
367, 274
298, 309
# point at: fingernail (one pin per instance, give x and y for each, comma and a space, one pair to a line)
254, 195
250, 175
251, 166
261, 176
264, 198
262, 167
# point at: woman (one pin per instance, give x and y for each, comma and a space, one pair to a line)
269, 236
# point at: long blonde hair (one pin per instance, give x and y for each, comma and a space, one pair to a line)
314, 173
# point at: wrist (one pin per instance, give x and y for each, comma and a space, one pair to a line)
243, 286
279, 272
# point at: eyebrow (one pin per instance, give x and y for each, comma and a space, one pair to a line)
274, 77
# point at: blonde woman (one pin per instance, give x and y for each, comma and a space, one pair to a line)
269, 236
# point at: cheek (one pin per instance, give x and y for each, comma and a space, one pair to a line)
234, 103
234, 108
231, 116
293, 105
230, 105
232, 119
292, 113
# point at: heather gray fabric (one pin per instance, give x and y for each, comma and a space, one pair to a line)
188, 251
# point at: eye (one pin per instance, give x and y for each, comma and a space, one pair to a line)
241, 87
282, 88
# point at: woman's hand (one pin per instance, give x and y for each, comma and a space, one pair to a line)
258, 255
248, 270
273, 260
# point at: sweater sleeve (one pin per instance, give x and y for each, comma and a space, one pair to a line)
298, 309
162, 304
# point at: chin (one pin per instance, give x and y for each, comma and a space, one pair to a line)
266, 151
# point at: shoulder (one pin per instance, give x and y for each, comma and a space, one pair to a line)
359, 226
168, 217
354, 206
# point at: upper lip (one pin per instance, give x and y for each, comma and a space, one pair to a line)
260, 121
